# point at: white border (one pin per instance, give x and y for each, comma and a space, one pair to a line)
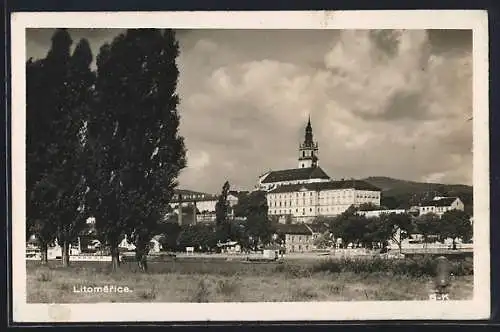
478, 308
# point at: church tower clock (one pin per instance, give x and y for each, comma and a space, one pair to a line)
308, 150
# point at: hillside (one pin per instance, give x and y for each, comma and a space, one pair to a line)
402, 194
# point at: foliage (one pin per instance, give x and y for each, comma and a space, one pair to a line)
427, 224
258, 225
221, 215
134, 147
350, 227
201, 237
56, 111
323, 241
170, 232
455, 224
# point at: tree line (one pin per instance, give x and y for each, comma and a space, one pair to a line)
102, 142
357, 229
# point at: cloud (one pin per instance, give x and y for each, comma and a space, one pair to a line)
382, 102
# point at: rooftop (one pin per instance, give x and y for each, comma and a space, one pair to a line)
299, 229
295, 174
330, 185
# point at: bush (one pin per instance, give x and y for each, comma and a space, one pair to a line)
227, 287
43, 275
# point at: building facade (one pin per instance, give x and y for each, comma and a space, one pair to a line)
304, 193
305, 202
378, 213
439, 205
203, 204
298, 237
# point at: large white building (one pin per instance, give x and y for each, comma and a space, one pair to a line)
304, 202
307, 192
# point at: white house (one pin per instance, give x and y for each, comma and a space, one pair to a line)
439, 205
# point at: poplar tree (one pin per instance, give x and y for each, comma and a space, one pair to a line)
223, 227
135, 148
56, 94
38, 221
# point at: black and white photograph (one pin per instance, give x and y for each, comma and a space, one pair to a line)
207, 166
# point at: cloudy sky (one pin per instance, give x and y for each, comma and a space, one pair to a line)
382, 103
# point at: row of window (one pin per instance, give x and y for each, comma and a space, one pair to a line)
311, 202
298, 238
324, 196
434, 208
337, 209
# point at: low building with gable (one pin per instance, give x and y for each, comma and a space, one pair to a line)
439, 205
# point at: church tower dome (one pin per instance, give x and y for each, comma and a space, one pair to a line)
308, 150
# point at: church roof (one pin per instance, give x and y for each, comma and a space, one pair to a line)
330, 185
295, 174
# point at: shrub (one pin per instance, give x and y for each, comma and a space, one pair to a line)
43, 275
227, 287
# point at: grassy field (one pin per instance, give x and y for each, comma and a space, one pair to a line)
197, 280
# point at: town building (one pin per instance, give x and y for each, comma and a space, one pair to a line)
202, 204
297, 237
305, 202
304, 193
439, 205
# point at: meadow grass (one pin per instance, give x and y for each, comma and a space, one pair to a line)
222, 281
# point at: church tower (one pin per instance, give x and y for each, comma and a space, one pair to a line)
308, 150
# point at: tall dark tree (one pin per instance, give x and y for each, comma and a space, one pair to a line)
38, 219
71, 175
221, 215
136, 146
56, 179
258, 224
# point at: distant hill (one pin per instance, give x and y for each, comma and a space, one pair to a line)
403, 194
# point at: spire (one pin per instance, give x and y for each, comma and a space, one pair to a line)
309, 135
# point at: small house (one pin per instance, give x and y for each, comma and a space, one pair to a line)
298, 237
